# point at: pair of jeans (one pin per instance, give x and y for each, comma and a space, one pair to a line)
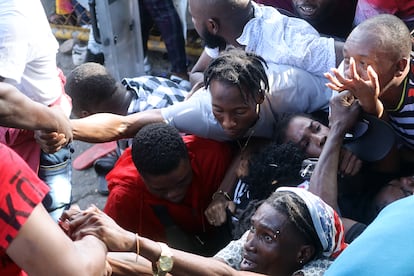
56, 171
168, 22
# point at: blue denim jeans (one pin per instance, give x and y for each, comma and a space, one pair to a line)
56, 171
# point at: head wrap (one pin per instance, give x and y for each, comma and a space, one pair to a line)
326, 221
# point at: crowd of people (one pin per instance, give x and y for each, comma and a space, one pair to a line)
292, 154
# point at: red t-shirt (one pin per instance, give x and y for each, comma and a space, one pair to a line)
404, 9
130, 204
21, 190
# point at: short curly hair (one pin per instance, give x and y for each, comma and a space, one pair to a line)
89, 84
157, 149
274, 165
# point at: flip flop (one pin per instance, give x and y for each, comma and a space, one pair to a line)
88, 157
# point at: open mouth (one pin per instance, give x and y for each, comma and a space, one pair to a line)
307, 10
248, 265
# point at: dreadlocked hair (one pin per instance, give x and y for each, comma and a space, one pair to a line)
157, 149
273, 166
293, 206
241, 69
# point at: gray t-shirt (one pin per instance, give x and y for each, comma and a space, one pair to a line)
291, 90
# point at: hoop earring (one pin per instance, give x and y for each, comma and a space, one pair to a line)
257, 109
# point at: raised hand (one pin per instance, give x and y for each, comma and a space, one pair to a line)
367, 89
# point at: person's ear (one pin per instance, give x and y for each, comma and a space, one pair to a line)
305, 254
260, 95
85, 113
213, 26
401, 66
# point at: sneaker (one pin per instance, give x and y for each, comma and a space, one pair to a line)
79, 54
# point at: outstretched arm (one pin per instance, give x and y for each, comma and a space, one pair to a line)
41, 248
97, 223
18, 111
197, 72
104, 127
344, 113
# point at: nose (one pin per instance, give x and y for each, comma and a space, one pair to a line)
319, 140
250, 243
228, 122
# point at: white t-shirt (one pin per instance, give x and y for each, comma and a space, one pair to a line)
292, 90
28, 50
285, 40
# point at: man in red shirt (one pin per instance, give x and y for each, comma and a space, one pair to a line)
161, 186
31, 243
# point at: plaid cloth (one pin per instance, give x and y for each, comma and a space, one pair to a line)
153, 92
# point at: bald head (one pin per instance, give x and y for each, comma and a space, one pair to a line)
389, 32
220, 19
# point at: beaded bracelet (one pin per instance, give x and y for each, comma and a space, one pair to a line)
221, 192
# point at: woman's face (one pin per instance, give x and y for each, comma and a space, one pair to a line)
308, 134
272, 245
234, 113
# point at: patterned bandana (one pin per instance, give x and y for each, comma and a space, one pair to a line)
326, 221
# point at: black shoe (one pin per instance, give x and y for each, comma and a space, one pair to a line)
97, 58
102, 167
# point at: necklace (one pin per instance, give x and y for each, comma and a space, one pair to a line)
242, 148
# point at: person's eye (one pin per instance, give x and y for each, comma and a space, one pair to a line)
240, 112
316, 127
268, 238
346, 61
252, 228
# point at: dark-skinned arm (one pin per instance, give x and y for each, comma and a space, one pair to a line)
19, 111
97, 223
344, 113
104, 127
197, 72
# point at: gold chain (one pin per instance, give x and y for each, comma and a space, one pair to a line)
242, 148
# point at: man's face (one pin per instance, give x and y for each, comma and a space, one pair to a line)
200, 16
272, 245
172, 186
308, 134
313, 10
211, 40
363, 48
235, 114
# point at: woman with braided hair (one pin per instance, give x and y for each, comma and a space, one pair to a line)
293, 232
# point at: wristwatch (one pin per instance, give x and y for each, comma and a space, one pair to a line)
165, 262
